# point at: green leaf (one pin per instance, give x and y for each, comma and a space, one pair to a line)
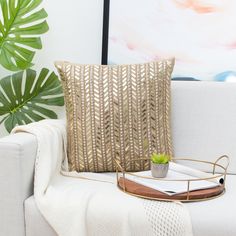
25, 98
160, 158
20, 27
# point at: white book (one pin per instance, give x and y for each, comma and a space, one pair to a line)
176, 171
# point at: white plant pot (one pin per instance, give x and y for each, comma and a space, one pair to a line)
159, 170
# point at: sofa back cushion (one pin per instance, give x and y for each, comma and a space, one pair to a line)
204, 121
118, 111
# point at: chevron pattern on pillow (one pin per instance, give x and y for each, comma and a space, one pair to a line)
116, 111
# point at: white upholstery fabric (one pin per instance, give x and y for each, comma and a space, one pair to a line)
36, 225
216, 217
209, 218
74, 204
17, 155
204, 120
203, 126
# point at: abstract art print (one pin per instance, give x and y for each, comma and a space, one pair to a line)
199, 34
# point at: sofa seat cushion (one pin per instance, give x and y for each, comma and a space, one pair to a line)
217, 216
209, 218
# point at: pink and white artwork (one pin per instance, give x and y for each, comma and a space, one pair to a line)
200, 34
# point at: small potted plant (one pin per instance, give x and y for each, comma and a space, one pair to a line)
159, 165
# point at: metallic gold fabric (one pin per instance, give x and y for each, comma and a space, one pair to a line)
118, 111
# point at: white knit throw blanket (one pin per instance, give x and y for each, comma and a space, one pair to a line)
93, 205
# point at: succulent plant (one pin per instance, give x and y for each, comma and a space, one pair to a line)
160, 158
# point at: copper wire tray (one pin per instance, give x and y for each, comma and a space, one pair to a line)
139, 190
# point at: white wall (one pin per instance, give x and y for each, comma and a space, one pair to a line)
75, 35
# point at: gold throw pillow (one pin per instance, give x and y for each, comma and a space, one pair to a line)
116, 111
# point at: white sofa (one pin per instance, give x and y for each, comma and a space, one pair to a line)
203, 127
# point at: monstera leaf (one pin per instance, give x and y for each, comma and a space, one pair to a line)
25, 98
20, 27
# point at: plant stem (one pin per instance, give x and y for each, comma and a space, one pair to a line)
9, 26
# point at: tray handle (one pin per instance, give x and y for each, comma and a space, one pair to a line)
217, 161
119, 167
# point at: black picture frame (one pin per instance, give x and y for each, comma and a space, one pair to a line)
105, 34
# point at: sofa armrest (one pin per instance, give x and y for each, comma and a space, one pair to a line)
17, 157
